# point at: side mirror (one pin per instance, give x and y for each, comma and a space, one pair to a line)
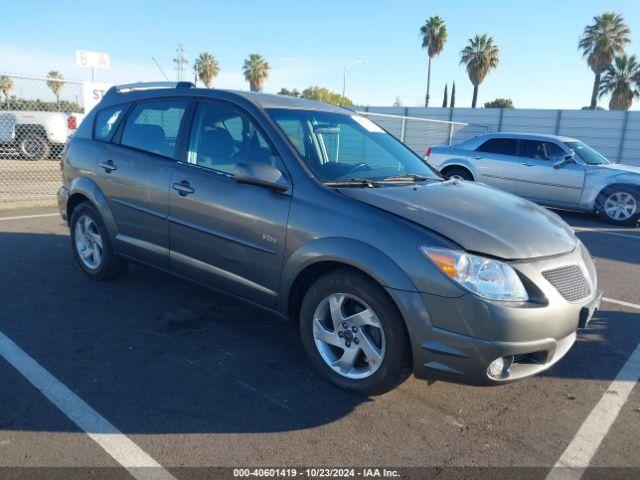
568, 158
261, 174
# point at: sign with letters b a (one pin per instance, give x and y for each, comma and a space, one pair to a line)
85, 58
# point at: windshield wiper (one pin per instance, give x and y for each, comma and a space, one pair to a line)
352, 182
409, 176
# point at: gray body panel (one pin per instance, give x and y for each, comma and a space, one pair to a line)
575, 186
138, 196
479, 218
261, 245
227, 235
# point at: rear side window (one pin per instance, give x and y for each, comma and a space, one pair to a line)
503, 146
154, 126
106, 122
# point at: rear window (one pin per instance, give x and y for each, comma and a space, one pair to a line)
503, 146
106, 122
154, 126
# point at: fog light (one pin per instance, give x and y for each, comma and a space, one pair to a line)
499, 367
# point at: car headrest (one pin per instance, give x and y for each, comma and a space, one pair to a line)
216, 143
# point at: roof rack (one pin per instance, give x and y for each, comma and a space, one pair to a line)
141, 86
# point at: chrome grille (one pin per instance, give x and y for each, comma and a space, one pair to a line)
569, 281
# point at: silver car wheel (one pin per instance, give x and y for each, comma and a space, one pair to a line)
620, 206
89, 244
455, 177
349, 336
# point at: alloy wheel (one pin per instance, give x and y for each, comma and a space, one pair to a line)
349, 336
89, 244
620, 206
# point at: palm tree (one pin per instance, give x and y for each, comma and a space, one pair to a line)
434, 36
600, 43
480, 56
256, 70
206, 68
452, 104
622, 81
6, 86
55, 87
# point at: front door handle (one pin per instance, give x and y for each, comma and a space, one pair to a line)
477, 158
108, 166
183, 188
528, 164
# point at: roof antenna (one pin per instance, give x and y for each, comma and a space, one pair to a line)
160, 68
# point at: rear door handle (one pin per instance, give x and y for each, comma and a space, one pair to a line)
528, 164
477, 157
183, 188
108, 166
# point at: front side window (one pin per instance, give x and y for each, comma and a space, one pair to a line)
540, 150
339, 146
503, 146
154, 126
106, 121
222, 137
586, 153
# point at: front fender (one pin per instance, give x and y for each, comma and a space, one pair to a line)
594, 184
350, 252
459, 162
86, 187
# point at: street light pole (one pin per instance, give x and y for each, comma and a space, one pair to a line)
344, 78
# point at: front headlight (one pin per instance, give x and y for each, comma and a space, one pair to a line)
485, 277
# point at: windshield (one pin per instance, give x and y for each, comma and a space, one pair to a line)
586, 153
338, 147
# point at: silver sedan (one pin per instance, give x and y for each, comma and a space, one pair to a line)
551, 170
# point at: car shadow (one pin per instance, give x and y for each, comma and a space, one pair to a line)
156, 354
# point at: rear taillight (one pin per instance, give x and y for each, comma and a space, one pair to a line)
428, 152
63, 154
72, 123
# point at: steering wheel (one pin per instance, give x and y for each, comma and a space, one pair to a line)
354, 169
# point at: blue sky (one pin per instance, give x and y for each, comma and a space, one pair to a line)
308, 43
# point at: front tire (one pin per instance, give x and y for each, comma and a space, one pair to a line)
620, 205
353, 333
91, 245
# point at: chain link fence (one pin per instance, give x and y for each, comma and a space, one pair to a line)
39, 114
420, 133
37, 117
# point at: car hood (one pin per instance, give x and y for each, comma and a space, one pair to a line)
618, 168
477, 217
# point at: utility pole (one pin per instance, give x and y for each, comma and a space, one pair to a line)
180, 61
344, 78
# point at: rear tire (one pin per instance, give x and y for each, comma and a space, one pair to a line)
458, 173
34, 147
91, 245
619, 205
379, 344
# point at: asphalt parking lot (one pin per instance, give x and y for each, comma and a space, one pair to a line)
170, 375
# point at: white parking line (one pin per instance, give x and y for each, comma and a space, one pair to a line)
120, 447
606, 232
620, 302
577, 457
25, 217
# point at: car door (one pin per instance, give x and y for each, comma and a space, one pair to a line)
539, 181
496, 163
134, 173
223, 233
